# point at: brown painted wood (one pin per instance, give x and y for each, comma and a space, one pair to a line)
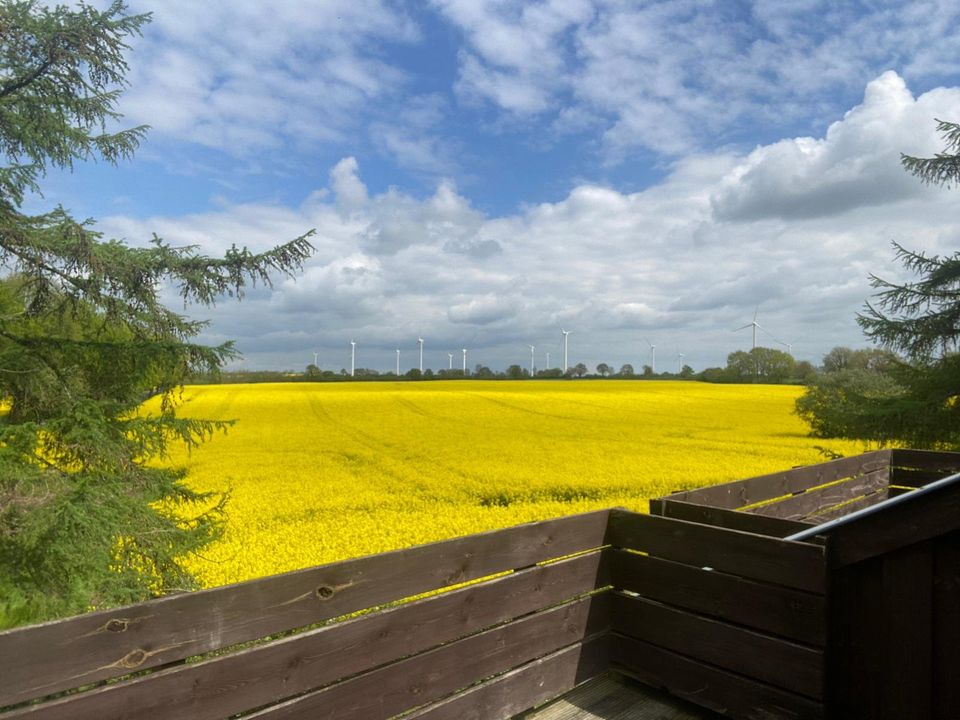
855, 646
427, 677
264, 674
794, 564
926, 459
528, 686
845, 509
771, 660
935, 513
906, 685
946, 627
732, 695
911, 477
809, 502
794, 614
766, 487
105, 644
721, 517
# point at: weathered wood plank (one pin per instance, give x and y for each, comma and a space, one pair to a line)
855, 648
774, 661
255, 677
721, 517
730, 694
906, 686
797, 565
911, 477
946, 627
921, 518
926, 459
427, 677
528, 686
810, 501
787, 482
111, 643
846, 508
794, 614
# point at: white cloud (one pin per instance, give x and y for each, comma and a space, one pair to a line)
856, 164
681, 263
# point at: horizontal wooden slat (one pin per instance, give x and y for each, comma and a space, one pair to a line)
427, 677
105, 644
528, 686
732, 695
926, 459
911, 477
793, 614
798, 565
806, 503
267, 673
775, 661
721, 517
766, 487
920, 518
842, 509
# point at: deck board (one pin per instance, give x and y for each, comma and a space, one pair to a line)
613, 697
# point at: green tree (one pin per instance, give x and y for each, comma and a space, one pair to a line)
579, 370
604, 369
517, 372
86, 519
916, 400
761, 364
626, 370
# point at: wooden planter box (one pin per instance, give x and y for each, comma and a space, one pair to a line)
715, 607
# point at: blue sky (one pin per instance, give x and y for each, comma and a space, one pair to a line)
485, 172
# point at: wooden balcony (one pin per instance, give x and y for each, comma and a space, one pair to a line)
700, 609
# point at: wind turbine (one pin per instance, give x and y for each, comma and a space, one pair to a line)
464, 361
316, 358
548, 360
754, 325
353, 357
450, 366
653, 357
566, 340
532, 348
420, 343
398, 362
680, 357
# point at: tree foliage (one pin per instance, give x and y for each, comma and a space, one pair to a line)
915, 401
86, 519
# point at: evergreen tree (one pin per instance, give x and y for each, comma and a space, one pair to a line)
917, 402
86, 520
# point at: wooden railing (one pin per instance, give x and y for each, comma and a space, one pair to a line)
717, 608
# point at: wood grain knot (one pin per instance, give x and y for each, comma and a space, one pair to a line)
117, 625
324, 592
133, 659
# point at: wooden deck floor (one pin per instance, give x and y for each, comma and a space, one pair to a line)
614, 697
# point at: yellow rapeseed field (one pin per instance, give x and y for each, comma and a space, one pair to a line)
322, 472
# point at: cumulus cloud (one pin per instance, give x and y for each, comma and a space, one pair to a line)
855, 164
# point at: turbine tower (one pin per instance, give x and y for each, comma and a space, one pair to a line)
398, 362
450, 366
464, 361
548, 361
316, 358
754, 325
653, 357
532, 348
420, 343
566, 340
353, 357
680, 357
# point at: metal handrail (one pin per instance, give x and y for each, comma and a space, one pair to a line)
888, 503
